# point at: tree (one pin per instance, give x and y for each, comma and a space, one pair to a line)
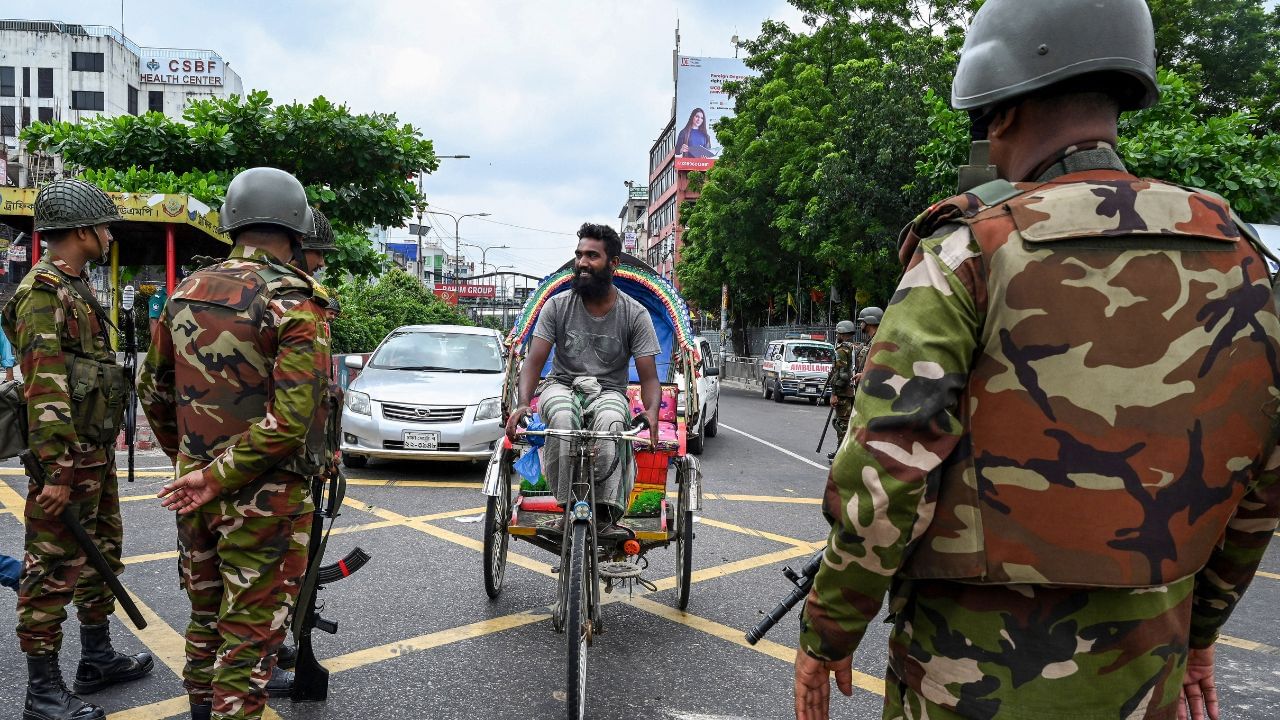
1229, 49
1179, 140
371, 311
357, 168
816, 156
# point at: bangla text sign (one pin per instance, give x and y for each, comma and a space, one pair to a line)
165, 68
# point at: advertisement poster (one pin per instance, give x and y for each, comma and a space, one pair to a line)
700, 101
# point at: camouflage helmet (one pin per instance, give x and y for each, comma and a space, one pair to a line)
322, 237
266, 196
1015, 47
71, 204
871, 315
845, 327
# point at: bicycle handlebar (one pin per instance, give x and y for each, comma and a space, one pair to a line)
638, 435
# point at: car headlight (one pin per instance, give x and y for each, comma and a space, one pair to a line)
489, 409
788, 375
357, 402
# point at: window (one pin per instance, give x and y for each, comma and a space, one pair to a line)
26, 115
87, 62
133, 100
87, 100
44, 114
26, 82
8, 121
155, 101
44, 78
7, 82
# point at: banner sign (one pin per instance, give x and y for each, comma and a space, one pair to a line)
701, 100
629, 241
469, 292
174, 67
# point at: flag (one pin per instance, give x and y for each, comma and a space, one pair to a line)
791, 301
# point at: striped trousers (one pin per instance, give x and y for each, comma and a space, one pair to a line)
565, 408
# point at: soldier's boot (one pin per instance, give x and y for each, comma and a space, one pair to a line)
281, 682
101, 666
203, 711
48, 697
287, 657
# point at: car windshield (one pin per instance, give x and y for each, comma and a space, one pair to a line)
440, 351
810, 353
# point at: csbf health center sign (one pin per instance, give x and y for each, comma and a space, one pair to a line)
174, 67
701, 100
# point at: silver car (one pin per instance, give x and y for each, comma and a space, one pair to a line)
429, 392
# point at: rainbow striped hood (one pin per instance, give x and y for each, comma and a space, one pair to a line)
665, 305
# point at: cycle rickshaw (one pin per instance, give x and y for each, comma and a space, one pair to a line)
665, 494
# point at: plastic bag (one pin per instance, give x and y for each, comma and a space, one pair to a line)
530, 464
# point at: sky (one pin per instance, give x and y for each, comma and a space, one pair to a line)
556, 101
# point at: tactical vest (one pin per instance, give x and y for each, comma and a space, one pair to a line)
842, 375
97, 386
229, 306
1123, 393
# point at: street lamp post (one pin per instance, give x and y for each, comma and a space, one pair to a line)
457, 250
422, 204
484, 251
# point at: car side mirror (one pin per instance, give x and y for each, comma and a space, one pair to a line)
355, 362
711, 371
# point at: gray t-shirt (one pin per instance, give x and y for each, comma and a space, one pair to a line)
599, 347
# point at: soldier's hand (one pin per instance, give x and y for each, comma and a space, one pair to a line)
53, 498
813, 684
189, 492
1198, 692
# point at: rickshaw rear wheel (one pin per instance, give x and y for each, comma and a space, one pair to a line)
684, 543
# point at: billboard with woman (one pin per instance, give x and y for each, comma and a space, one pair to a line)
701, 100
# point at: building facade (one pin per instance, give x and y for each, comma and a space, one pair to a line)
52, 71
668, 191
633, 220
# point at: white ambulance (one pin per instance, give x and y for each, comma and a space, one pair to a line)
797, 367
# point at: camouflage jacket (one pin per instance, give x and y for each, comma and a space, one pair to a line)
1094, 395
236, 380
842, 370
48, 324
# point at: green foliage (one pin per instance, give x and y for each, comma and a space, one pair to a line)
1230, 48
648, 502
1178, 140
357, 168
370, 311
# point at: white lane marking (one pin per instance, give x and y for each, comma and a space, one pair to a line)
782, 450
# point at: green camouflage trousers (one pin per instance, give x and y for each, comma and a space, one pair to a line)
55, 570
1031, 652
242, 575
840, 418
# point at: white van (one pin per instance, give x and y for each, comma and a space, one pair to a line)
796, 368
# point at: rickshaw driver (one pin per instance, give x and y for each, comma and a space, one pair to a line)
595, 330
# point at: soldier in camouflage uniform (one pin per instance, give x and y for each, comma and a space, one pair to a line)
234, 387
841, 381
1062, 461
75, 394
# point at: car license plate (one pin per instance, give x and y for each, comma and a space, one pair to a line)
811, 389
421, 440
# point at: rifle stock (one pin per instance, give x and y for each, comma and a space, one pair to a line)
36, 472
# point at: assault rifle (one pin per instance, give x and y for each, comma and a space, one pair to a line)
36, 472
130, 372
803, 583
310, 678
830, 413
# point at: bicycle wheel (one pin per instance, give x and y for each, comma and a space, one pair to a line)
684, 543
577, 622
497, 514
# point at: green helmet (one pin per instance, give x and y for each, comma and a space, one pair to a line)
266, 196
1015, 47
845, 327
871, 315
71, 204
322, 238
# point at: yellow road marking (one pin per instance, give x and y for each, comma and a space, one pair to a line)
149, 557
736, 636
172, 707
137, 473
772, 499
1269, 576
390, 650
11, 500
392, 482
1248, 645
753, 533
